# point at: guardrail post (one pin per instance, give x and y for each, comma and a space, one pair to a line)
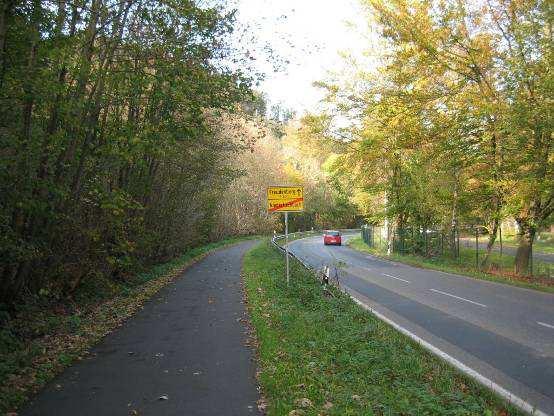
476, 248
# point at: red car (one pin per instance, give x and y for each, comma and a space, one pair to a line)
332, 237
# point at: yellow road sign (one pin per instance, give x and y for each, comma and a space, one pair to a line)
285, 199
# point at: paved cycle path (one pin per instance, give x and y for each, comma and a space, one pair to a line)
183, 354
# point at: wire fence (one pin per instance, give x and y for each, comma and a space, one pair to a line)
461, 246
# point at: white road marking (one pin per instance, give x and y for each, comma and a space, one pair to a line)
397, 278
546, 325
457, 297
505, 393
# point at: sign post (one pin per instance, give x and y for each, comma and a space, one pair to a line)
285, 199
287, 243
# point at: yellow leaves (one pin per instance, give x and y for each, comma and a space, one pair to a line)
473, 183
292, 173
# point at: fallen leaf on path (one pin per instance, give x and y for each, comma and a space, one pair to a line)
262, 405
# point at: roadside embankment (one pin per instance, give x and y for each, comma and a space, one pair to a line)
320, 353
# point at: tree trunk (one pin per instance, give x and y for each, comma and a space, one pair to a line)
493, 230
29, 84
526, 236
5, 10
454, 217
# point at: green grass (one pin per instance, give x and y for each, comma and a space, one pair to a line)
544, 242
321, 346
464, 266
44, 337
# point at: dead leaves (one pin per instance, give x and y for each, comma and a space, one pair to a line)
304, 403
262, 405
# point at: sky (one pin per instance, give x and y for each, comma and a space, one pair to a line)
310, 35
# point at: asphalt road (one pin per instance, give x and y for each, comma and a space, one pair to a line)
507, 249
184, 353
503, 332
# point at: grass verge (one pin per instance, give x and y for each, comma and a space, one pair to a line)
464, 267
544, 242
321, 354
38, 343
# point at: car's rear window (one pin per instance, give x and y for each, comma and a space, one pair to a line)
333, 233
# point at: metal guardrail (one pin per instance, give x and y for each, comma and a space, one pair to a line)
315, 232
282, 249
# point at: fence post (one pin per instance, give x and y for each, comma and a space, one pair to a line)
477, 248
373, 236
426, 242
500, 235
531, 259
457, 232
402, 241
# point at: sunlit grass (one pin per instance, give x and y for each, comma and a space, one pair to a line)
319, 345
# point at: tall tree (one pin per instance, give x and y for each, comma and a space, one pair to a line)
110, 155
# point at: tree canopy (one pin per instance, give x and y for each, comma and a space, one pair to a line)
110, 146
455, 124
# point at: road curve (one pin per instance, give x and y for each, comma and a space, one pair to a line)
503, 332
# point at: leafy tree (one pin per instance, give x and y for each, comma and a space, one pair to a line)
110, 156
455, 125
